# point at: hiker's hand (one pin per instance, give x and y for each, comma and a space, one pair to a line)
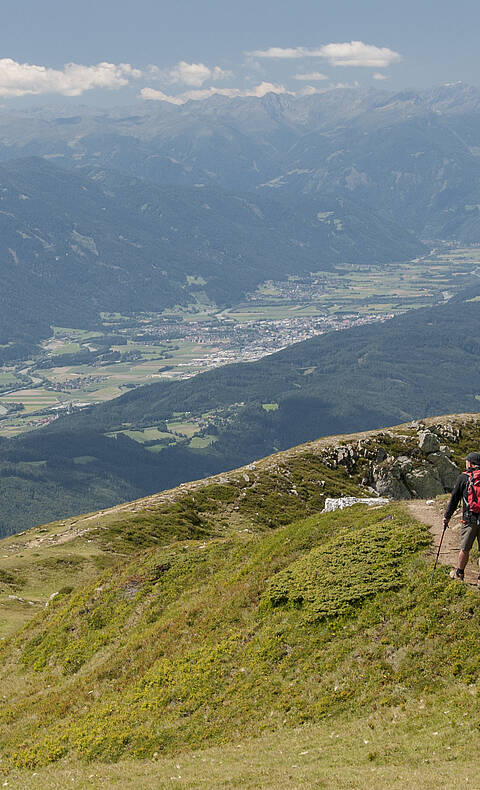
445, 523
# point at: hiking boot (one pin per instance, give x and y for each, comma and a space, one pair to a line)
457, 574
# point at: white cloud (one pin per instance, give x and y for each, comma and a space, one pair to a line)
221, 74
264, 88
353, 53
356, 53
195, 74
199, 95
345, 85
190, 73
22, 79
279, 52
379, 76
312, 77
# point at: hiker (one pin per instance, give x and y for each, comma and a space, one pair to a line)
467, 489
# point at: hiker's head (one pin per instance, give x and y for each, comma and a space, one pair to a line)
472, 459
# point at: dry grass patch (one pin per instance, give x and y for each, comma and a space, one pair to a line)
392, 749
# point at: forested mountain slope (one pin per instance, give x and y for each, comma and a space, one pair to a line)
421, 363
75, 243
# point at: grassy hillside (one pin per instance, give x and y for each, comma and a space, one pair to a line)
233, 606
190, 645
264, 494
42, 561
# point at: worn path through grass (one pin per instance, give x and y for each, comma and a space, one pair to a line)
431, 512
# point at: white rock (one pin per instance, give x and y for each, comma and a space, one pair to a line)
347, 501
51, 597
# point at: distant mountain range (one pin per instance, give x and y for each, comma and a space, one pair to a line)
412, 155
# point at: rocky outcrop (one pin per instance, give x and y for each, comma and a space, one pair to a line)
413, 463
391, 486
389, 480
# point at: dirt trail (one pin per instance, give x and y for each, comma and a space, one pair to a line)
431, 513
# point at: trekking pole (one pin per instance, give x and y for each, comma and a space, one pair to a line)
438, 552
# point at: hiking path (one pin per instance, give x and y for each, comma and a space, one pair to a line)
430, 512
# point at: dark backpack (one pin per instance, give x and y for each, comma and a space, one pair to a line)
473, 490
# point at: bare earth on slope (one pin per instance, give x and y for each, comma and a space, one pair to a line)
431, 513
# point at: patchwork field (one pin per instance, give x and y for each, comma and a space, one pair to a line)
367, 289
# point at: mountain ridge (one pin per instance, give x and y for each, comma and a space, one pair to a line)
425, 166
180, 642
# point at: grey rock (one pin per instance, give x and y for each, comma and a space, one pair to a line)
450, 432
388, 483
447, 470
404, 464
424, 482
428, 442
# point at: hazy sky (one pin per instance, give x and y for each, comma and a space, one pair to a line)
113, 51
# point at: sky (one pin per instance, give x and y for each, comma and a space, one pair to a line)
113, 52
